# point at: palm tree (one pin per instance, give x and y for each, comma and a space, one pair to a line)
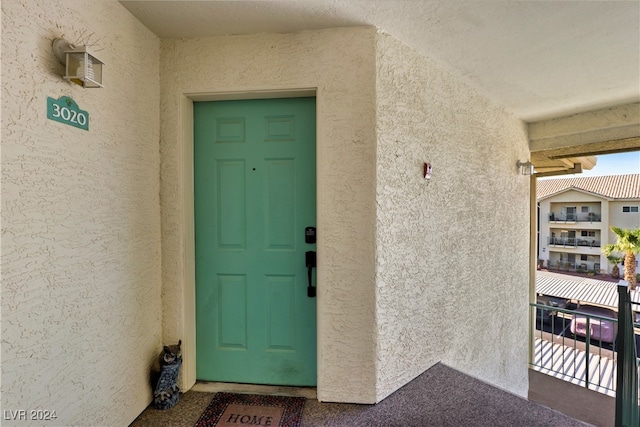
615, 260
628, 243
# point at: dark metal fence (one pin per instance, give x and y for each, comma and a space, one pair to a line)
584, 348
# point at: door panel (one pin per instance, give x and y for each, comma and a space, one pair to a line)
232, 316
279, 188
230, 220
281, 300
254, 172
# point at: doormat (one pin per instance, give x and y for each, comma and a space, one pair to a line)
236, 410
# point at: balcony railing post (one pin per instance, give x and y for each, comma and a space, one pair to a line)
627, 410
587, 339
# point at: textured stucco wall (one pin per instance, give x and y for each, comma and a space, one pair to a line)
452, 253
81, 309
340, 64
630, 220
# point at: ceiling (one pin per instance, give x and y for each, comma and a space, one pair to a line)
538, 59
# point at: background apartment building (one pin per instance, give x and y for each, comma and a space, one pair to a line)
575, 216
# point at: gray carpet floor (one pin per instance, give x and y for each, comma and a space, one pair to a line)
440, 397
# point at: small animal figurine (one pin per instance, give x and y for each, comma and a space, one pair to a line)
170, 353
167, 392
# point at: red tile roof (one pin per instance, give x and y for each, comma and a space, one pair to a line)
612, 187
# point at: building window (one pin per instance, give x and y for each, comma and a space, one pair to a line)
583, 257
584, 209
586, 233
629, 209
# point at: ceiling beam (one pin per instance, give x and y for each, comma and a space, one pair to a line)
613, 129
577, 168
593, 149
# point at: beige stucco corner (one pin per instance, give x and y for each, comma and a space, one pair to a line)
389, 240
452, 252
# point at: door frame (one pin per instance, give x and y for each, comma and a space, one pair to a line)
185, 141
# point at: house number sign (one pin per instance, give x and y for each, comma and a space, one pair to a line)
65, 110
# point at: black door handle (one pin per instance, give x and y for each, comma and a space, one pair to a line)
310, 258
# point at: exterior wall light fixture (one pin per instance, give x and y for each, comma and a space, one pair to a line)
82, 67
526, 168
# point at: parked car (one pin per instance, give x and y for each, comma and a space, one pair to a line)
599, 329
545, 314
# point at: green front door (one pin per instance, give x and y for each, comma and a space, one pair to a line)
255, 193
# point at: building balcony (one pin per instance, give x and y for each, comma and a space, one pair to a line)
576, 217
572, 242
577, 267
